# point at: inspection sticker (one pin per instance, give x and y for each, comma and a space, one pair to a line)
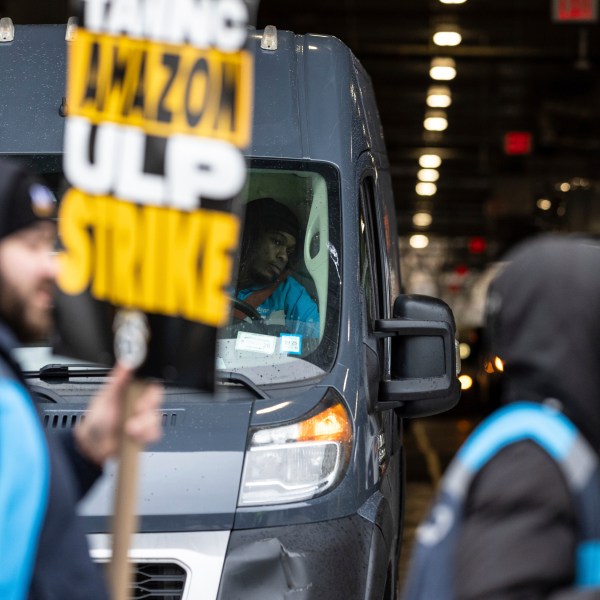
291, 343
255, 342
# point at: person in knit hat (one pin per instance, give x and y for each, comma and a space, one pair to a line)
27, 213
269, 246
43, 548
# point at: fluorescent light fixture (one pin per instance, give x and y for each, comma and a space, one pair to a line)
447, 35
453, 1
430, 175
422, 219
544, 204
442, 69
425, 188
438, 96
430, 161
435, 120
418, 241
466, 382
464, 350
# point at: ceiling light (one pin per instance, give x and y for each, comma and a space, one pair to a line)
565, 187
425, 188
442, 69
447, 35
439, 96
430, 175
418, 241
544, 204
453, 1
435, 120
422, 219
466, 382
430, 161
580, 182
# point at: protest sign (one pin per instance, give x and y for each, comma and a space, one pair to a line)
158, 110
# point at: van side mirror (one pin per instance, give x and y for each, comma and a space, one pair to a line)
424, 362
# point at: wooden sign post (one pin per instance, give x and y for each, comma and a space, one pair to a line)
125, 521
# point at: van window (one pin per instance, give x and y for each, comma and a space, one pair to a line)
370, 259
286, 299
295, 335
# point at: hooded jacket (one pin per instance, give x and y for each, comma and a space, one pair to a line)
520, 530
518, 512
544, 322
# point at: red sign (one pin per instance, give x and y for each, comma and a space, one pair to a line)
517, 142
575, 11
477, 245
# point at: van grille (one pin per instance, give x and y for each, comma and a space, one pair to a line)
68, 419
158, 581
58, 419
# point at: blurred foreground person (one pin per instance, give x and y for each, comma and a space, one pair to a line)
43, 549
518, 513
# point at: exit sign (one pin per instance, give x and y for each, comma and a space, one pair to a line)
575, 11
517, 142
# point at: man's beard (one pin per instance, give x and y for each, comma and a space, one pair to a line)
13, 311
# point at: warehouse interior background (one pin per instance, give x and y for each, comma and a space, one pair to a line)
514, 123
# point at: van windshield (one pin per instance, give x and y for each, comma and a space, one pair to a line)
285, 312
284, 321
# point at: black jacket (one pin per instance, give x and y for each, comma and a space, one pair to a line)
520, 530
63, 569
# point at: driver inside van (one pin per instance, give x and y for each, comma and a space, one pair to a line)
269, 247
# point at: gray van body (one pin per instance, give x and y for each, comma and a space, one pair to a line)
313, 102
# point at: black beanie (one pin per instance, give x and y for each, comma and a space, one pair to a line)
271, 215
24, 199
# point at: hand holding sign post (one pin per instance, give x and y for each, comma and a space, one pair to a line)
158, 107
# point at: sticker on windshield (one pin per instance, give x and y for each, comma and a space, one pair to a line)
255, 342
291, 343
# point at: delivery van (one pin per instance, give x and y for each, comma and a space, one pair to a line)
289, 481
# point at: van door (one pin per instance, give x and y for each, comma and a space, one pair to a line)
374, 284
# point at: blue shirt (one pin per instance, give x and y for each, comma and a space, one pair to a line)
289, 304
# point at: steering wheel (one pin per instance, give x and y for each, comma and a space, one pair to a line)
257, 323
247, 309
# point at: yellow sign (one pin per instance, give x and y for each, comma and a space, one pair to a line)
151, 258
161, 88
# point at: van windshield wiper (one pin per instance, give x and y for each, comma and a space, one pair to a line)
66, 371
234, 377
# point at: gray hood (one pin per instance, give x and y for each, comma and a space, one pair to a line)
544, 322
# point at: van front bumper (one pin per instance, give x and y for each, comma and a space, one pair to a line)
340, 559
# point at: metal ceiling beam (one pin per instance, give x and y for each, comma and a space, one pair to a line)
390, 50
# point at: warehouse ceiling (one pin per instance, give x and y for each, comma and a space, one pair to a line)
521, 151
518, 71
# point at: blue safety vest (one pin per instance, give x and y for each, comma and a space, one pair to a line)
24, 486
431, 575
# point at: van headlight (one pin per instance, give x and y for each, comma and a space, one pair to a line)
299, 460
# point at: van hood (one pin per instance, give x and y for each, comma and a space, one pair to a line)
544, 322
190, 480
